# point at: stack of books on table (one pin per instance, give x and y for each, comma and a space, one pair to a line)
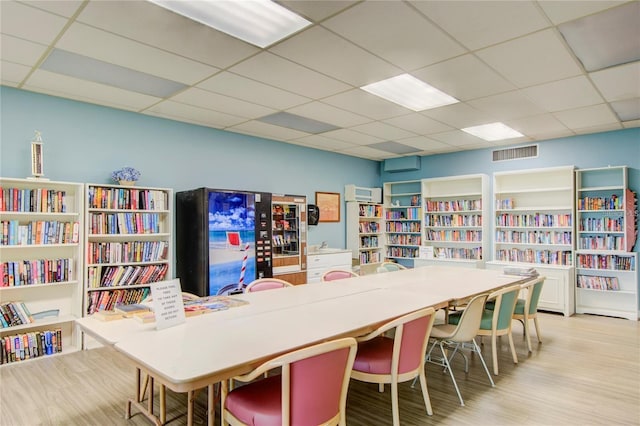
521, 272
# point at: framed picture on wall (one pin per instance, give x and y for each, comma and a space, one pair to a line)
329, 205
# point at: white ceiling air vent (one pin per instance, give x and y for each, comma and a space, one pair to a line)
529, 151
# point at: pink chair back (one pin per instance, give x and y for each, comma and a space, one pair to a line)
337, 275
414, 343
266, 284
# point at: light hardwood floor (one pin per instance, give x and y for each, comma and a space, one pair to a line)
586, 372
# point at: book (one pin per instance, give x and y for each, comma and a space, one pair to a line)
108, 315
145, 317
131, 309
207, 304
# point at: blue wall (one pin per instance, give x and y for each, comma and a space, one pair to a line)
85, 143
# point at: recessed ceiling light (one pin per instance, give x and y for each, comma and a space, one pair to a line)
493, 132
410, 92
259, 22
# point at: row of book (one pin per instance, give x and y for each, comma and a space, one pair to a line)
127, 251
411, 213
537, 220
38, 200
454, 236
505, 204
115, 276
368, 227
600, 203
126, 198
21, 347
474, 253
40, 271
370, 210
598, 283
38, 232
544, 257
453, 220
602, 224
403, 226
407, 252
107, 300
453, 205
607, 242
607, 261
367, 257
534, 237
14, 313
124, 223
404, 240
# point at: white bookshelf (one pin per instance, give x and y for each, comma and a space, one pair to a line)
403, 219
533, 227
456, 220
42, 232
365, 232
606, 268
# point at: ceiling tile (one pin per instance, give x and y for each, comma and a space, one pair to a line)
265, 130
193, 114
316, 10
539, 126
395, 32
627, 110
564, 94
360, 102
458, 138
61, 7
618, 83
355, 138
598, 129
273, 70
382, 130
425, 144
321, 142
29, 23
82, 39
329, 114
87, 91
366, 152
12, 74
586, 117
631, 124
464, 77
213, 101
507, 105
156, 26
249, 90
460, 115
20, 51
478, 24
418, 124
335, 57
533, 59
560, 11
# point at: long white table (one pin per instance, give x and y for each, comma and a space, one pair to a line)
213, 347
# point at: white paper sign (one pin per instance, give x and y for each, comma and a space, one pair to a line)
426, 252
168, 306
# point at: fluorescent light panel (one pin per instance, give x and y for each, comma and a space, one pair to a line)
259, 22
410, 92
493, 132
394, 147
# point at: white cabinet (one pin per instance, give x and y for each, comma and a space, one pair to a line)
41, 257
319, 263
456, 220
534, 220
607, 276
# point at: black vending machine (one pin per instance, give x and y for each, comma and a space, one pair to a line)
223, 240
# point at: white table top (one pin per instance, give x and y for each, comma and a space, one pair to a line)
219, 345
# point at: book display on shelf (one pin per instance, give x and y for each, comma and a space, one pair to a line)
455, 219
403, 219
365, 232
534, 227
41, 231
31, 345
128, 243
607, 269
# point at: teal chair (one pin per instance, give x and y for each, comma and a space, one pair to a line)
497, 321
527, 308
390, 267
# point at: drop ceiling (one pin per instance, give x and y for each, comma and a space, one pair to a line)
506, 61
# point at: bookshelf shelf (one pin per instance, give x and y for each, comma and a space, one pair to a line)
365, 232
402, 205
533, 227
607, 271
128, 243
40, 257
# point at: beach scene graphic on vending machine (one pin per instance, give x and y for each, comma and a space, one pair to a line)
231, 241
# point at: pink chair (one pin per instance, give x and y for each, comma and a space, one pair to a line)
266, 284
312, 389
396, 359
337, 274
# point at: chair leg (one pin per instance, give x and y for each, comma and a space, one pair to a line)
448, 367
425, 392
535, 321
477, 349
513, 348
394, 403
494, 353
381, 387
527, 333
